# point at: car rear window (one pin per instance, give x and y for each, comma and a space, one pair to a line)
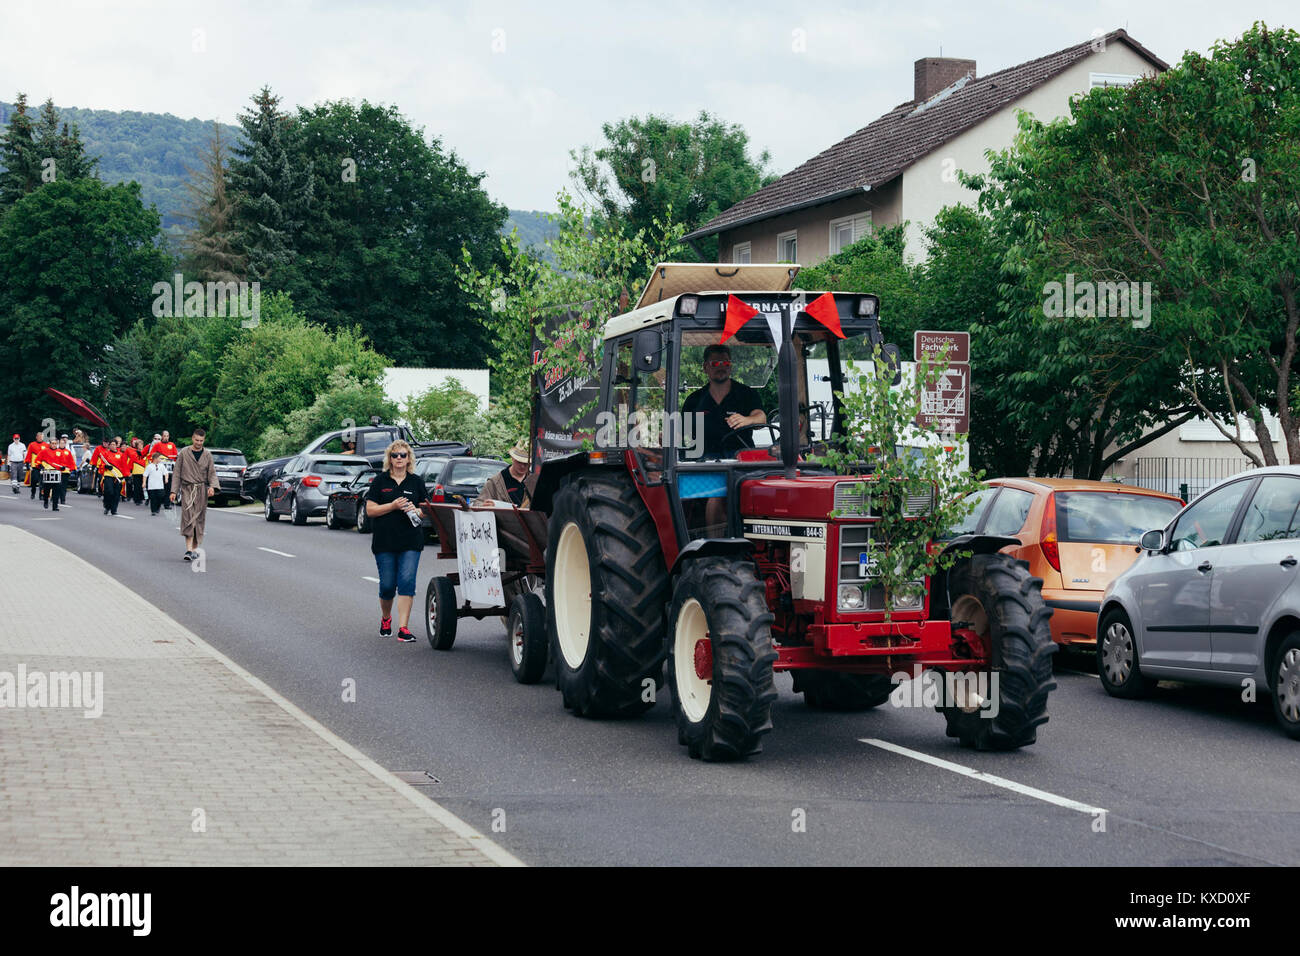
340, 467
470, 472
1104, 517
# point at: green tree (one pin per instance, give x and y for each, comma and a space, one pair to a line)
20, 163
77, 263
280, 366
450, 412
272, 186
657, 168
1187, 180
344, 398
210, 251
596, 270
61, 145
391, 216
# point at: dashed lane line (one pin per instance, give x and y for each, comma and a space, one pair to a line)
1003, 782
283, 554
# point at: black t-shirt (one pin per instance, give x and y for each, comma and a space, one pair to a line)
514, 488
393, 531
739, 400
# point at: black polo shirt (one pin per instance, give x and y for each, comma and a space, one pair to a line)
393, 531
739, 400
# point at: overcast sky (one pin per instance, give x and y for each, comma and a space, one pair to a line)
512, 87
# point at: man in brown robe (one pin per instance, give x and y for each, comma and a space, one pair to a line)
193, 480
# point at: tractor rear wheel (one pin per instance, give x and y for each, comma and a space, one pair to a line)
996, 597
830, 690
606, 587
720, 658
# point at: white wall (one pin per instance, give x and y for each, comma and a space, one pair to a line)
929, 184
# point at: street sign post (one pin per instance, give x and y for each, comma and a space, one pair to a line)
945, 402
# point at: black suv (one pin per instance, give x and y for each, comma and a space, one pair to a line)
231, 465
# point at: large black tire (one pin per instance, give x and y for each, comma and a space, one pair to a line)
331, 519
526, 630
440, 613
1284, 684
831, 690
363, 523
719, 625
296, 515
606, 588
1117, 658
1015, 627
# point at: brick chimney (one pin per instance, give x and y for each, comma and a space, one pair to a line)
935, 73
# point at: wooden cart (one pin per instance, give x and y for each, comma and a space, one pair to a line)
521, 541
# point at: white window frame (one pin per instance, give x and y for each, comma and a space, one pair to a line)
1096, 80
781, 237
740, 248
857, 229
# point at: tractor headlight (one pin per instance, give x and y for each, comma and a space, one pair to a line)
909, 600
687, 304
868, 305
850, 598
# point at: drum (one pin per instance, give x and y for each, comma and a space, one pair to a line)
49, 477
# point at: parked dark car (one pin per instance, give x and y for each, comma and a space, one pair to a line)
303, 490
231, 465
260, 474
461, 479
344, 507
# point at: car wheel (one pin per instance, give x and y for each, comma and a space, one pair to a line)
363, 523
268, 511
295, 515
1285, 685
1117, 658
331, 521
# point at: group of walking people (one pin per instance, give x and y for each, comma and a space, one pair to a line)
120, 471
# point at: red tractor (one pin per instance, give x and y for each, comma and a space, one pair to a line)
713, 544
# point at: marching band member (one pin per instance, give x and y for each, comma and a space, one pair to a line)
167, 448
116, 467
60, 461
34, 451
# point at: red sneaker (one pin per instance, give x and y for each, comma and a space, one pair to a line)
405, 636
386, 627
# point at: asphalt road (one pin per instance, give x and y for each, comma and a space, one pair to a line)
1192, 776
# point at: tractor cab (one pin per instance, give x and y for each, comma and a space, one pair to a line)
698, 387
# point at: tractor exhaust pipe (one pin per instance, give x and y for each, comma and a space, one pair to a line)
788, 376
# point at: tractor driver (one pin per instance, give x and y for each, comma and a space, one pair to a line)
726, 405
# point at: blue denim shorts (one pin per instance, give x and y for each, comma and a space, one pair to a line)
397, 570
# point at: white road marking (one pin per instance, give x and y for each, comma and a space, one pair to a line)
127, 517
47, 519
986, 777
374, 580
283, 554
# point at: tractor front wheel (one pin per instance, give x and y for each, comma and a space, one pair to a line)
995, 597
720, 658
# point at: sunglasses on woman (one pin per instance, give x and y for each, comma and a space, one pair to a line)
398, 454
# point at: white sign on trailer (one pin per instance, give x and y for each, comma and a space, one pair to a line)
477, 558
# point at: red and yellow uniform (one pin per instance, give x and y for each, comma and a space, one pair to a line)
58, 460
165, 448
116, 466
34, 451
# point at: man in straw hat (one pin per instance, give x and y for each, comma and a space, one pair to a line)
509, 484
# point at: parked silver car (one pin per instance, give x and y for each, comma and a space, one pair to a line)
303, 490
1214, 597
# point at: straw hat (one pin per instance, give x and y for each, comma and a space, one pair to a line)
522, 453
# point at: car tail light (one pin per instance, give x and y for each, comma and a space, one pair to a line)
437, 494
1047, 534
311, 481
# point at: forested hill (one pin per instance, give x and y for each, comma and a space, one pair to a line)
154, 149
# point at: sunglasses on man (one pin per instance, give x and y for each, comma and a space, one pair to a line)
718, 363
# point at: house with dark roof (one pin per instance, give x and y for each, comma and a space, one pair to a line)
903, 167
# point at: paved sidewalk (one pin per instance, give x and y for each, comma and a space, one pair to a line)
192, 761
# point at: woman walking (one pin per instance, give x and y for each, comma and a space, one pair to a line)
397, 536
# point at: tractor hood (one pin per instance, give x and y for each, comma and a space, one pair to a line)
807, 496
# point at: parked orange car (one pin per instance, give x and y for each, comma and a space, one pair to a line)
1076, 535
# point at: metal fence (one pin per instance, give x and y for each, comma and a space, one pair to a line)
1186, 477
